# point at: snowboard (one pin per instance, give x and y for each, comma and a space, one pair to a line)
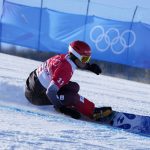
129, 122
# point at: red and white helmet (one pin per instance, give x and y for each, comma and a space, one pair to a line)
81, 50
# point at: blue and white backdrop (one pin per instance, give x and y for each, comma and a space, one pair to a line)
121, 37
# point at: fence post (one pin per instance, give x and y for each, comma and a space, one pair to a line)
134, 13
40, 24
1, 25
87, 12
131, 26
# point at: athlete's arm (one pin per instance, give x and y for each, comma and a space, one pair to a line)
52, 94
93, 68
59, 79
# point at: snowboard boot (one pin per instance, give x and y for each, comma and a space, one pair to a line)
102, 113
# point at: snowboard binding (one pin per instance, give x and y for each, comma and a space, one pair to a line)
102, 113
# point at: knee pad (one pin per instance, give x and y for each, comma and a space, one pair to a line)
72, 87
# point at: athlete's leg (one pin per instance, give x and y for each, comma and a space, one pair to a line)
70, 87
71, 99
34, 92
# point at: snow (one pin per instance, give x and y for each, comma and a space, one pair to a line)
25, 126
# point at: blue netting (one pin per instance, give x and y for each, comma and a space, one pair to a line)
51, 29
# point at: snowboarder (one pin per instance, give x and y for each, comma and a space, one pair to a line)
50, 83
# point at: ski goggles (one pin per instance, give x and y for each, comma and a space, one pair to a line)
85, 59
82, 58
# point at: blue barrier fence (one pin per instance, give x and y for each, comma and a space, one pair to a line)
48, 29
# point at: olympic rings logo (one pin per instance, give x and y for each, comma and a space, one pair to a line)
111, 39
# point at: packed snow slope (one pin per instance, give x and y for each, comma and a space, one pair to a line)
25, 126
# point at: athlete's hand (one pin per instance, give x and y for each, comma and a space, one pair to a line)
70, 112
94, 68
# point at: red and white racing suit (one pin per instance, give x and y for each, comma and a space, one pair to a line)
59, 70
